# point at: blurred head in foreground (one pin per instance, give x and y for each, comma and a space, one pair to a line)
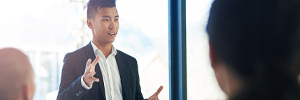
255, 48
16, 75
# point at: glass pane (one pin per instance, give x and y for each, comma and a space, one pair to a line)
201, 82
48, 29
40, 28
143, 34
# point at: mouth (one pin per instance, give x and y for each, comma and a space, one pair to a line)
112, 33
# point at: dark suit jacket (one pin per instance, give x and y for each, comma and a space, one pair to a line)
74, 66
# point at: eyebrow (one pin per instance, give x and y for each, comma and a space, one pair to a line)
105, 16
109, 16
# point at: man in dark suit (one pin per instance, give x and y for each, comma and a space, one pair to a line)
113, 75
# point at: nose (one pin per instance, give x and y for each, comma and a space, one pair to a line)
112, 26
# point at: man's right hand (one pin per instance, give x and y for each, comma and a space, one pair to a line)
88, 76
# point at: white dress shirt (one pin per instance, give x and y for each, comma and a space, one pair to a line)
110, 74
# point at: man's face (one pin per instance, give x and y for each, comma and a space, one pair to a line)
105, 26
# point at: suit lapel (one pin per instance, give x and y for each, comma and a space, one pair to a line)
90, 54
123, 73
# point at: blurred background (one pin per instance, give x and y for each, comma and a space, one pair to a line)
48, 29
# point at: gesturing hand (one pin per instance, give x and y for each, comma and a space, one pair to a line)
155, 95
88, 76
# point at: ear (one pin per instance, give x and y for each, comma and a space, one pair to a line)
213, 57
27, 92
227, 82
89, 23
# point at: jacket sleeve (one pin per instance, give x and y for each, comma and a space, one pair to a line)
70, 86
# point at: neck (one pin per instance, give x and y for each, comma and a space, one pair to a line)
105, 48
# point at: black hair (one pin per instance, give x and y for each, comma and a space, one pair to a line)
258, 40
94, 5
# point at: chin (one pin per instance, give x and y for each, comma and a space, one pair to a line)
112, 41
109, 42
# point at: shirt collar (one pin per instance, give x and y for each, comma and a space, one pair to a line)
113, 49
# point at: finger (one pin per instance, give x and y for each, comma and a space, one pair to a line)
92, 70
88, 63
96, 61
95, 79
87, 70
94, 64
91, 74
158, 90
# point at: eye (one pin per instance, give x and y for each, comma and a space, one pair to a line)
116, 19
105, 19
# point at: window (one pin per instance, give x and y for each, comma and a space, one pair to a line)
201, 82
48, 29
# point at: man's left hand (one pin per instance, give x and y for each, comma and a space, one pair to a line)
155, 95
